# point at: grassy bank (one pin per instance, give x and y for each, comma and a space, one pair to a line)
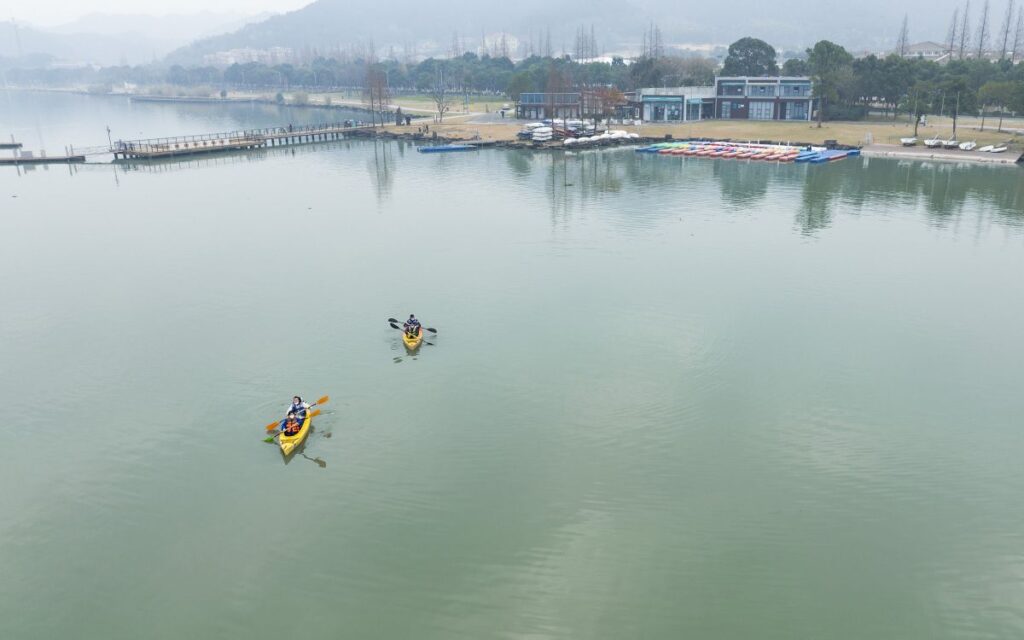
851, 133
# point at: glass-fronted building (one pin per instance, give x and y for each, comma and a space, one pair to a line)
778, 98
731, 98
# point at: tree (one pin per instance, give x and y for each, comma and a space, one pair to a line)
829, 63
965, 28
903, 42
518, 84
918, 102
376, 91
1018, 37
750, 57
1007, 26
983, 32
795, 67
652, 47
997, 93
441, 94
951, 36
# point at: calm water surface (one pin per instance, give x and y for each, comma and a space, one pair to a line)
668, 398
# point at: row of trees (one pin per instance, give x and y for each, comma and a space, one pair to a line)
847, 87
850, 87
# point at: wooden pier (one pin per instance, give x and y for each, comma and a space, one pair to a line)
154, 148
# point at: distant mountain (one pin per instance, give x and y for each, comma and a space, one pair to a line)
326, 24
180, 29
106, 39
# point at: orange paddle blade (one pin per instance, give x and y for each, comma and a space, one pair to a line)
272, 426
323, 400
314, 413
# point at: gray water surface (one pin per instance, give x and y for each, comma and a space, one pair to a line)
668, 397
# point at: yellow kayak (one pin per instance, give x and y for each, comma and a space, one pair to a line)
288, 444
413, 342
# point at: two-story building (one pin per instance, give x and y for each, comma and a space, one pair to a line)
676, 104
731, 98
541, 106
768, 98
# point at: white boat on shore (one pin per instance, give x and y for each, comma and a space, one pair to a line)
951, 144
908, 142
987, 148
934, 143
1001, 149
968, 146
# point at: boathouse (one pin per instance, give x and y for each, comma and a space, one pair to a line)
540, 106
767, 98
676, 104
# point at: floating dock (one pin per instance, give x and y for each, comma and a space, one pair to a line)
27, 157
446, 148
749, 151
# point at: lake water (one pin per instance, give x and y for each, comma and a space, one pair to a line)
668, 398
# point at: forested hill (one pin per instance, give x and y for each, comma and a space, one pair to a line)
325, 24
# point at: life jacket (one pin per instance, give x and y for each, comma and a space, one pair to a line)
292, 427
299, 410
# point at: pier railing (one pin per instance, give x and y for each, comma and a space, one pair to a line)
254, 135
229, 140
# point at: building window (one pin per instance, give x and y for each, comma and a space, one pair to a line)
761, 110
796, 111
761, 90
726, 109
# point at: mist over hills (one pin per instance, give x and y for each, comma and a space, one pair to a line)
619, 25
107, 39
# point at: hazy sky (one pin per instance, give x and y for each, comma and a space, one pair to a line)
54, 12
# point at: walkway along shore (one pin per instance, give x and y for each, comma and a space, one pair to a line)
940, 155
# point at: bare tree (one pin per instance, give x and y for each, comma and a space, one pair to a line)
456, 49
652, 47
378, 92
983, 31
1007, 25
441, 94
903, 42
965, 28
1018, 37
951, 36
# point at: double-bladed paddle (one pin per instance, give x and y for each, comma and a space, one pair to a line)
323, 400
394, 322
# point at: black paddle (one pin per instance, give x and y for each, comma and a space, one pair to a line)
394, 322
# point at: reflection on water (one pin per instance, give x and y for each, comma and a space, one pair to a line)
813, 192
380, 168
669, 390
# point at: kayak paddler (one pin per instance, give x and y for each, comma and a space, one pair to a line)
411, 326
299, 408
291, 425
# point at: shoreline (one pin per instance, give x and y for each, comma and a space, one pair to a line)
923, 154
483, 129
